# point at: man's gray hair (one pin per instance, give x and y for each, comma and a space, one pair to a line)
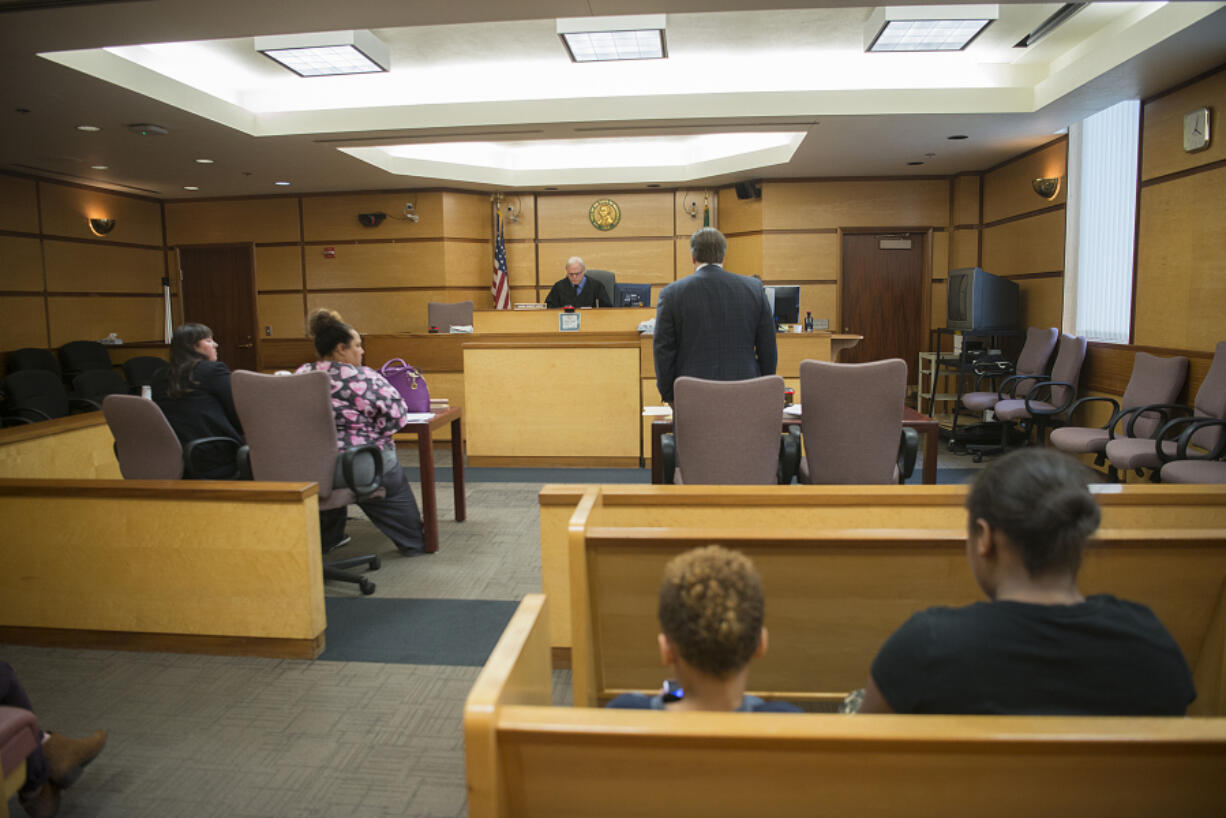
708, 246
575, 260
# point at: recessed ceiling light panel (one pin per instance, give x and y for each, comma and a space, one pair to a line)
926, 28
600, 39
327, 53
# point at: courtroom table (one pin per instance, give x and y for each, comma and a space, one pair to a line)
423, 431
922, 424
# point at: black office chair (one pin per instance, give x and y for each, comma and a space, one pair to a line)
608, 279
141, 370
95, 384
33, 395
81, 356
33, 358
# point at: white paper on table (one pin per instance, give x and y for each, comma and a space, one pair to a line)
793, 410
657, 411
418, 417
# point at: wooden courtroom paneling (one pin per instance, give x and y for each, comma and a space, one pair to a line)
744, 256
66, 212
737, 215
470, 264
386, 313
285, 313
77, 267
18, 204
23, 321
73, 318
966, 199
823, 301
1181, 262
21, 258
565, 216
939, 307
1032, 245
75, 447
468, 216
374, 266
940, 241
800, 256
335, 218
270, 220
644, 261
1007, 191
1162, 130
521, 268
278, 268
964, 251
885, 203
1041, 301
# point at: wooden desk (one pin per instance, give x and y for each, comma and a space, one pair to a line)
423, 430
922, 424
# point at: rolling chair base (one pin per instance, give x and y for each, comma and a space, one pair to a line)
336, 569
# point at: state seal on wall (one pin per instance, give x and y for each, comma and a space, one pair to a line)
604, 214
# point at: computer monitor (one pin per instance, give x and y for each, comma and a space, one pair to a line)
785, 304
632, 295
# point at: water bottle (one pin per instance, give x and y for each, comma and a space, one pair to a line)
808, 322
146, 391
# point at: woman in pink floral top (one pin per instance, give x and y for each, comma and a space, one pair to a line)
367, 409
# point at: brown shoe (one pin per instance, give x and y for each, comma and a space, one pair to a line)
67, 756
43, 802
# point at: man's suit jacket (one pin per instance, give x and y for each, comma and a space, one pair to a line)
715, 325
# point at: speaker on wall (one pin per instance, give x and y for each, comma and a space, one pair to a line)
748, 190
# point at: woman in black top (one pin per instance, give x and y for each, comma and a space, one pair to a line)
194, 394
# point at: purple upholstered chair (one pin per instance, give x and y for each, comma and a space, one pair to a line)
1154, 380
852, 423
445, 315
1193, 468
727, 432
1031, 367
1046, 400
291, 432
1150, 452
146, 445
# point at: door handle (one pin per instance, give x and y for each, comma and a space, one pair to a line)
246, 346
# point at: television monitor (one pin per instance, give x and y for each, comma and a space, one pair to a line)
978, 300
785, 304
632, 295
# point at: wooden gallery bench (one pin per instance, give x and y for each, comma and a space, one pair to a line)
526, 758
841, 577
187, 566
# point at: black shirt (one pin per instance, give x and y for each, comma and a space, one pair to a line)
1104, 656
207, 410
563, 294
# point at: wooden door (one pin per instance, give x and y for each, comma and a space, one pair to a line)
218, 289
883, 296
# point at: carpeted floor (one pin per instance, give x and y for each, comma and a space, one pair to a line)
414, 631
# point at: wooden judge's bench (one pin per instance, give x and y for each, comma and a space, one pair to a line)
534, 395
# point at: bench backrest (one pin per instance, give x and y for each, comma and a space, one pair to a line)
525, 758
835, 595
764, 508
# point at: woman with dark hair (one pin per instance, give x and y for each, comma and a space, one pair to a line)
194, 394
1038, 647
367, 409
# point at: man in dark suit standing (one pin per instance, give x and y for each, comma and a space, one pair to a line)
713, 324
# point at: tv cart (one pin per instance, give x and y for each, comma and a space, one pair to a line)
959, 363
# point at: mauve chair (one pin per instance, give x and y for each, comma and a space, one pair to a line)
1154, 380
728, 433
851, 420
1209, 404
1031, 367
444, 316
291, 436
1046, 400
1195, 468
146, 445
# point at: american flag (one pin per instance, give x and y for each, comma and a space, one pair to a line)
499, 289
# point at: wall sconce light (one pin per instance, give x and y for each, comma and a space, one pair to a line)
1047, 186
100, 227
371, 219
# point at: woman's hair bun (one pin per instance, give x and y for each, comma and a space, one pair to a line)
320, 320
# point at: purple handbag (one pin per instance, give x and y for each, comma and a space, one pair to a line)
409, 382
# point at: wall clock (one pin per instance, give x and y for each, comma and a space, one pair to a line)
1196, 130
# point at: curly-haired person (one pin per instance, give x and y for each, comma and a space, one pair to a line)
711, 612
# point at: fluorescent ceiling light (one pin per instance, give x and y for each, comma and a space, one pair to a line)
926, 28
598, 39
327, 53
